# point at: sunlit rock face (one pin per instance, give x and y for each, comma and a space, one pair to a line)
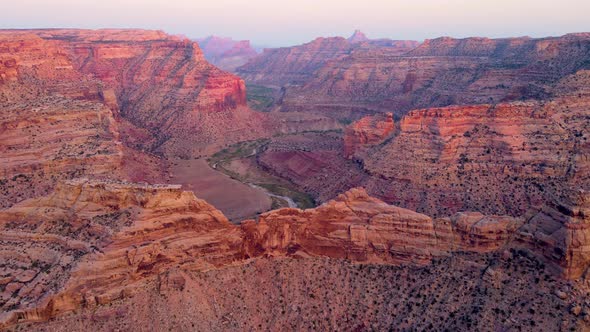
367, 132
93, 242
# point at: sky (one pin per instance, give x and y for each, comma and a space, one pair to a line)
287, 22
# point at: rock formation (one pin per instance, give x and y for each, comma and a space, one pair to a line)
439, 72
53, 124
366, 132
279, 66
357, 37
115, 104
499, 159
165, 85
297, 64
90, 243
360, 228
226, 53
495, 159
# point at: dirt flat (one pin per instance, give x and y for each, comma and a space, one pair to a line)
236, 200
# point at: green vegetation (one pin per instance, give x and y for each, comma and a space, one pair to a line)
345, 121
274, 185
260, 98
238, 150
278, 203
303, 200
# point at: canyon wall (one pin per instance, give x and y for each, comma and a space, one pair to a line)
165, 96
437, 73
53, 125
367, 132
226, 53
90, 243
495, 159
164, 84
297, 64
280, 66
498, 159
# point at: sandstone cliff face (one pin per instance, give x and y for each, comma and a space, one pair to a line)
495, 159
226, 53
89, 242
296, 65
165, 85
53, 125
159, 88
360, 228
499, 159
279, 66
440, 72
366, 132
560, 232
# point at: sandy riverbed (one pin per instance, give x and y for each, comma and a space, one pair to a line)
236, 200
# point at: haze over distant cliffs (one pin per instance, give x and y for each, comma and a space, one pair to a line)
359, 184
226, 53
294, 65
372, 76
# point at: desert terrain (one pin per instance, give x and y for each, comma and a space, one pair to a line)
149, 181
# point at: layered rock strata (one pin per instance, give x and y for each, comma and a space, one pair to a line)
90, 243
439, 72
367, 132
495, 159
296, 65
53, 124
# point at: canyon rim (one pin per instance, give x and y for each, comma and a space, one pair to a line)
169, 178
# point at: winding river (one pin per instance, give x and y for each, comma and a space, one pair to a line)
289, 201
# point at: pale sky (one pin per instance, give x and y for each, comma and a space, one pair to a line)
286, 22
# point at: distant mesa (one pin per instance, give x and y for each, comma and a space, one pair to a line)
357, 37
226, 53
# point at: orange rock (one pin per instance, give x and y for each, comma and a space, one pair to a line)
90, 242
440, 72
367, 132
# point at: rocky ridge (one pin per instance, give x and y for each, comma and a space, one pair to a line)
90, 243
367, 132
439, 72
296, 65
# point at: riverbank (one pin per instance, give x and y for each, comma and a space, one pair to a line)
239, 162
237, 200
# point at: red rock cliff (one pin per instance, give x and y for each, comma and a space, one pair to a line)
439, 72
367, 132
101, 241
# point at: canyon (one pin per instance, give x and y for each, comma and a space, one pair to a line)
496, 159
347, 81
91, 243
295, 65
342, 184
226, 53
116, 104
